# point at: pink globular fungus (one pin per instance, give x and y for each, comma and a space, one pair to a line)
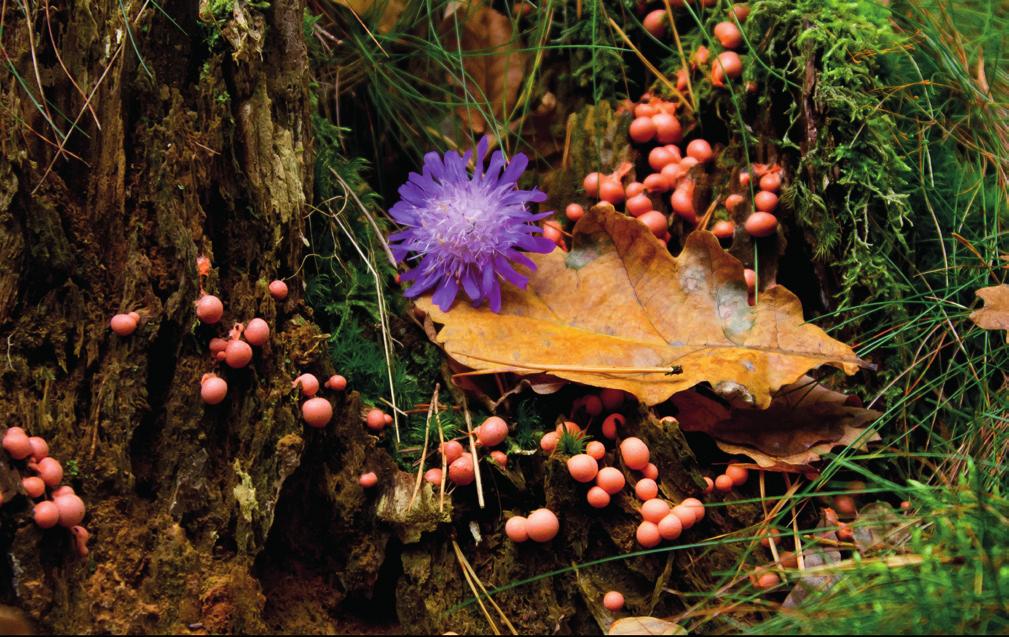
317, 412
40, 448
462, 471
46, 514
610, 425
71, 510
452, 450
238, 354
646, 489
493, 432
433, 476
610, 480
596, 449
670, 527
123, 324
278, 290
613, 601
309, 384
50, 470
648, 535
34, 487
368, 480
16, 443
634, 453
582, 467
213, 389
375, 419
209, 309
542, 525
257, 332
515, 529
654, 510
500, 458
336, 383
598, 498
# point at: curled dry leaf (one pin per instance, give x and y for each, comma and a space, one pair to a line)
995, 313
619, 311
645, 626
804, 421
494, 62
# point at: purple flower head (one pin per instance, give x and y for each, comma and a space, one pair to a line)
465, 229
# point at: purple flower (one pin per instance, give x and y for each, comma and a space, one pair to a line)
465, 229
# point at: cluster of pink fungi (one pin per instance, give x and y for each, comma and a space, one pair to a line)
670, 185
236, 351
54, 504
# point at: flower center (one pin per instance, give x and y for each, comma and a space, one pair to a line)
464, 223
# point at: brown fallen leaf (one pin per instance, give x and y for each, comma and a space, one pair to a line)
619, 311
645, 626
494, 61
995, 313
805, 420
386, 11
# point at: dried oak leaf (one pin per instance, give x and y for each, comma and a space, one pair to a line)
805, 420
494, 61
645, 626
995, 313
619, 311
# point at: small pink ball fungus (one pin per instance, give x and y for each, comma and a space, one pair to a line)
493, 432
238, 354
723, 483
71, 510
433, 476
583, 467
452, 450
542, 525
598, 498
670, 527
461, 471
33, 486
257, 332
500, 458
368, 480
611, 480
209, 309
317, 412
309, 384
40, 448
336, 383
650, 471
16, 443
596, 449
62, 491
610, 425
278, 290
218, 345
686, 515
549, 441
648, 535
634, 453
51, 471
613, 601
654, 510
213, 389
46, 514
123, 324
375, 419
515, 529
646, 489
696, 506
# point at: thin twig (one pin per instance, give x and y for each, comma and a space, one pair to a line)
441, 450
423, 453
461, 559
472, 447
